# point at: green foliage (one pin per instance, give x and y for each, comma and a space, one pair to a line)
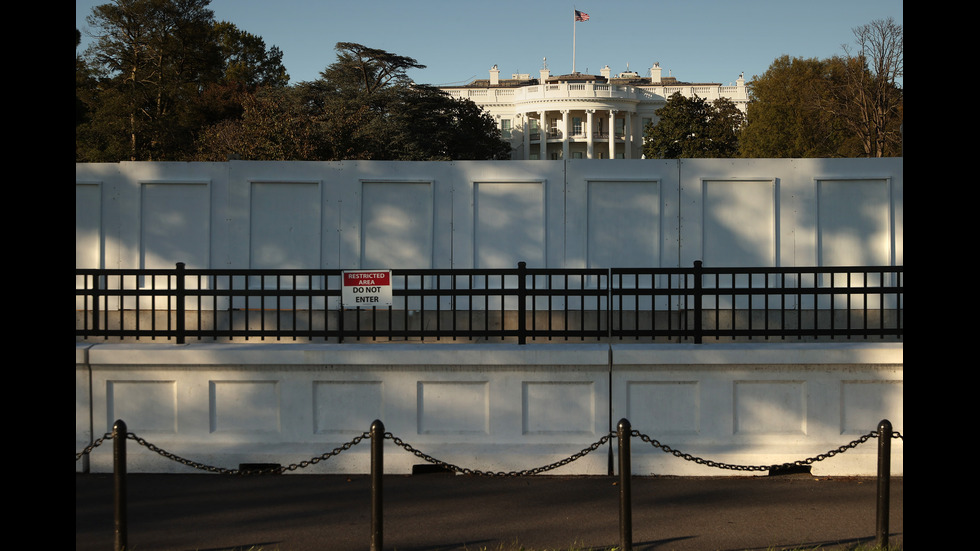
151, 57
846, 106
158, 71
246, 59
428, 124
786, 115
164, 81
363, 71
363, 107
271, 128
694, 128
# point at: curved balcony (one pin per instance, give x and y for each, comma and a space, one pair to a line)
556, 91
594, 90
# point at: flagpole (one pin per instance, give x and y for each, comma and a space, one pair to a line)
574, 20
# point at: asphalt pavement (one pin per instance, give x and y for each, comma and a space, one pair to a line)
441, 512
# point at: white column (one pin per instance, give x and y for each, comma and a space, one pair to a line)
588, 133
564, 134
544, 135
612, 133
628, 138
526, 127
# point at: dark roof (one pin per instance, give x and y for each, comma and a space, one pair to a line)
576, 77
502, 83
581, 77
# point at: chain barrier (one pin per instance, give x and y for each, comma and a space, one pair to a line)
279, 469
98, 442
476, 472
799, 463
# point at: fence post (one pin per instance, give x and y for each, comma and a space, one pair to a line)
698, 299
624, 434
97, 284
119, 435
181, 303
884, 481
521, 302
340, 312
377, 489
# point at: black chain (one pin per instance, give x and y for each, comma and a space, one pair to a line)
801, 462
201, 466
98, 442
475, 472
462, 470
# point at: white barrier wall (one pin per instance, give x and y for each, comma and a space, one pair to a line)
574, 213
493, 408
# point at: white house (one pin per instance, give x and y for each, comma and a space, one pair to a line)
581, 116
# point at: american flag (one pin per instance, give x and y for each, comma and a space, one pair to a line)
581, 16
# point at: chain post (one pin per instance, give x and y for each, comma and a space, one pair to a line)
377, 489
625, 491
884, 481
119, 476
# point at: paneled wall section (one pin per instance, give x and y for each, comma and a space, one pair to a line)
574, 213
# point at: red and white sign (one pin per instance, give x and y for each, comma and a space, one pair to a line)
367, 288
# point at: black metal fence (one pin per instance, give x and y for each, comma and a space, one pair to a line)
515, 305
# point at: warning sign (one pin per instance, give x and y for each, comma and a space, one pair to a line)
367, 288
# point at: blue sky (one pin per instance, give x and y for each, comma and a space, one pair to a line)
457, 41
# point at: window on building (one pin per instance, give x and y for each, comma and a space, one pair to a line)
577, 126
553, 129
506, 127
620, 127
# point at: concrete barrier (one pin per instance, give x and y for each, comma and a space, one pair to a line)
498, 407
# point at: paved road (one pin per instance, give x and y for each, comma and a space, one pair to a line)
438, 512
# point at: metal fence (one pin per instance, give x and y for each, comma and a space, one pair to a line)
512, 305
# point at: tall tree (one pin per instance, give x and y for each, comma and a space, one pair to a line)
363, 70
846, 106
162, 70
428, 124
868, 91
247, 61
787, 114
83, 82
693, 128
365, 106
247, 66
153, 57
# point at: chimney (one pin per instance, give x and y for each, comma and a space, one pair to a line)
606, 72
545, 73
655, 73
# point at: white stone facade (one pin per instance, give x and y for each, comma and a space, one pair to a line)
581, 116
